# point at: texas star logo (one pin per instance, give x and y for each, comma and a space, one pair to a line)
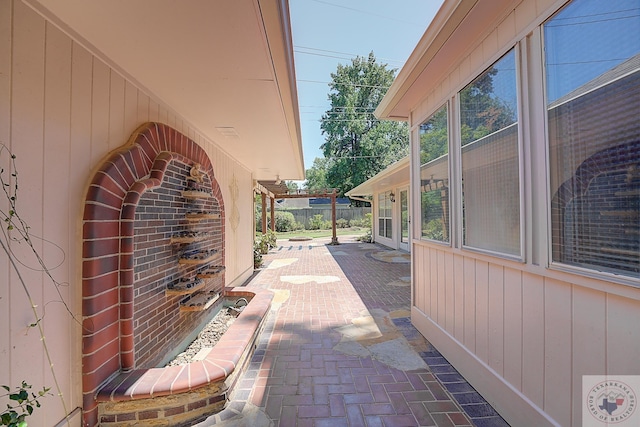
611, 401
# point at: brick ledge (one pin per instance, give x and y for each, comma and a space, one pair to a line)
221, 361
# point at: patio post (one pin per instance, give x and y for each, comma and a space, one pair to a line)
334, 239
264, 213
273, 213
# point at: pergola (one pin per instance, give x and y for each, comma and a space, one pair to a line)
278, 190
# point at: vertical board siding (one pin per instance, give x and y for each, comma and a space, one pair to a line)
588, 338
101, 80
557, 345
533, 327
458, 298
496, 318
432, 268
27, 118
513, 327
5, 138
469, 304
440, 266
61, 111
57, 116
116, 111
622, 328
482, 310
541, 335
450, 292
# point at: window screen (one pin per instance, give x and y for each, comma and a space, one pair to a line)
490, 159
434, 177
592, 64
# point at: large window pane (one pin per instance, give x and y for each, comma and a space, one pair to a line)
592, 54
434, 177
490, 161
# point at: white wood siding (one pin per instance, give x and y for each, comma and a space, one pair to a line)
521, 333
539, 334
62, 109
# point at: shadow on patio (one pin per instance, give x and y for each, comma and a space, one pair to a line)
339, 349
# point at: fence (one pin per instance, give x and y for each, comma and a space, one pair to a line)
303, 215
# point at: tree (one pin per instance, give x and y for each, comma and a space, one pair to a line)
481, 111
317, 175
358, 145
292, 186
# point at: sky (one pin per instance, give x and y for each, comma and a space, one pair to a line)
331, 32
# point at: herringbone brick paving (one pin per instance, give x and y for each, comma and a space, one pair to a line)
298, 377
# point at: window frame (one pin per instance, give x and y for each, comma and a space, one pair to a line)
551, 264
456, 144
452, 207
386, 196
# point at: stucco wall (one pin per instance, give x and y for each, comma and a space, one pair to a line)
62, 110
523, 334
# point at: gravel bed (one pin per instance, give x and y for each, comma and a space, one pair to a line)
207, 338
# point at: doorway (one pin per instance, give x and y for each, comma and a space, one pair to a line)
405, 219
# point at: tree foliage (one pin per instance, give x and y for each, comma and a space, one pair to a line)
317, 175
482, 112
358, 145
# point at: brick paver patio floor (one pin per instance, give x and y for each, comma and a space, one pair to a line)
338, 348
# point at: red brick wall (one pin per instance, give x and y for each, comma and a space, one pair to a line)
159, 327
127, 176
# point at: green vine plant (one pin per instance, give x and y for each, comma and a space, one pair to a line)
22, 403
16, 231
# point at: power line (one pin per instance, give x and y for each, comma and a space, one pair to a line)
350, 55
343, 83
368, 13
555, 25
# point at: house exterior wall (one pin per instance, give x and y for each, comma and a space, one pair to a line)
62, 110
521, 331
395, 241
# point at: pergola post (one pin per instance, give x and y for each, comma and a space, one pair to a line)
334, 239
264, 213
273, 213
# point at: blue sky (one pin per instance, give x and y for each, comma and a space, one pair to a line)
331, 32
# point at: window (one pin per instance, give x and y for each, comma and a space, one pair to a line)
434, 177
404, 216
384, 214
592, 65
490, 159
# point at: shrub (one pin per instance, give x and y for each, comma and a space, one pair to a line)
270, 237
366, 238
257, 254
265, 242
285, 221
362, 222
434, 230
342, 223
316, 223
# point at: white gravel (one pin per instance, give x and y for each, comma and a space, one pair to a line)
207, 338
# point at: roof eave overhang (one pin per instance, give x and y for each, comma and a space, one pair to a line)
279, 34
455, 31
443, 25
394, 175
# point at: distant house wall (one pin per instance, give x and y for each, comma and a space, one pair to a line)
62, 110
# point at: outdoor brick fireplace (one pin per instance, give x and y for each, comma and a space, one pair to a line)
153, 263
